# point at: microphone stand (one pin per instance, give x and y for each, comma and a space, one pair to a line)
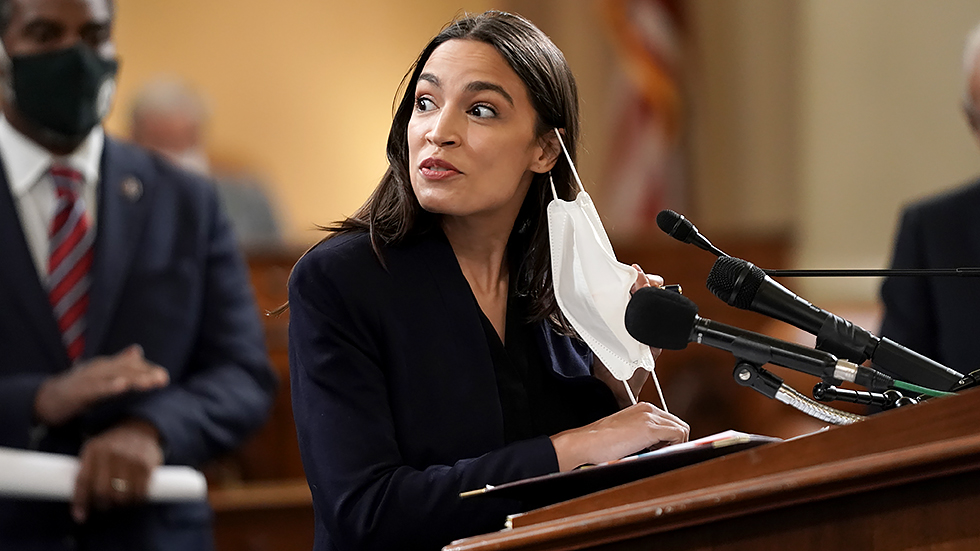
911, 272
754, 376
683, 230
968, 381
889, 399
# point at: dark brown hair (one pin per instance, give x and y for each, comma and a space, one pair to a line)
393, 213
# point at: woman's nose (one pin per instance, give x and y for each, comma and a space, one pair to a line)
445, 131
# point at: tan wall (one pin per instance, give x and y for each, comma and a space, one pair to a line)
744, 100
300, 89
880, 125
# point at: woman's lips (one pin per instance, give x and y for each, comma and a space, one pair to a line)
437, 169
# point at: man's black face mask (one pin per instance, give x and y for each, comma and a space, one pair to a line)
66, 92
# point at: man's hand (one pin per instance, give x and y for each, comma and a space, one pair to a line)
64, 396
115, 467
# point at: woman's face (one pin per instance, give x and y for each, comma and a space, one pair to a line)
471, 142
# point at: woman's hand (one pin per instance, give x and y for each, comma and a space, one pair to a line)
627, 431
645, 280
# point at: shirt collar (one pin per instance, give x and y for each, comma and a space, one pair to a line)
25, 161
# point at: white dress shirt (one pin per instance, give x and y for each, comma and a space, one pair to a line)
26, 166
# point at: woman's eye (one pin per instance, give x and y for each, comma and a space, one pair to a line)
482, 111
424, 103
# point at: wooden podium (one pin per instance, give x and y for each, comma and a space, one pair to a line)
907, 479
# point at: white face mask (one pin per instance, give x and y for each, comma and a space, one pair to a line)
592, 288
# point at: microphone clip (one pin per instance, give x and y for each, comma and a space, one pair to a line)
755, 377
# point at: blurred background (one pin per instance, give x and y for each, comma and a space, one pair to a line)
815, 119
790, 131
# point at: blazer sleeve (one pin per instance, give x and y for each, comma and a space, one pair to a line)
365, 494
228, 387
17, 394
909, 318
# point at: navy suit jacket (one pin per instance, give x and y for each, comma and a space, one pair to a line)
938, 317
395, 396
167, 275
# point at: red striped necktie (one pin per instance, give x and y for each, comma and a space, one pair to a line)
70, 260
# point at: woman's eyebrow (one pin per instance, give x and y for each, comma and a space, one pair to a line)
429, 77
480, 85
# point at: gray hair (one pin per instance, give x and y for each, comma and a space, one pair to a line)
167, 95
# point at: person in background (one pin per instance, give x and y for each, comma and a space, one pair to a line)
937, 316
170, 118
128, 331
428, 356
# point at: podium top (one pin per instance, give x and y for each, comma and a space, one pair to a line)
934, 438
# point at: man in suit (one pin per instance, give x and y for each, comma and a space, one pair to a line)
938, 316
128, 332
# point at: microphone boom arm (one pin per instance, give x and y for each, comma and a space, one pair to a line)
754, 376
909, 272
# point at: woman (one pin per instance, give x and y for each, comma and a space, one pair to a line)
428, 355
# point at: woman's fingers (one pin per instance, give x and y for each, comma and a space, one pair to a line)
645, 280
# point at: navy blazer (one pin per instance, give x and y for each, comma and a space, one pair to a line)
167, 275
395, 397
938, 317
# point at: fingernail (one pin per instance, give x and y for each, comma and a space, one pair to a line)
78, 513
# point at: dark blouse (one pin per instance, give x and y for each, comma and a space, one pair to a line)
536, 401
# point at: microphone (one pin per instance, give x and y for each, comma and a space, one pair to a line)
743, 285
663, 319
682, 229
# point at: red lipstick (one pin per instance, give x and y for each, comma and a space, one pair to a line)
437, 169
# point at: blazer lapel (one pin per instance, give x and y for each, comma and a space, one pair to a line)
124, 199
21, 281
439, 270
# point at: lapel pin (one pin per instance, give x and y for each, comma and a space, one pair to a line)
132, 189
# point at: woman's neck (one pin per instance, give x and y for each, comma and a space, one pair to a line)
481, 251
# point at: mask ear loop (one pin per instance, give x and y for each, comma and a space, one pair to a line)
570, 163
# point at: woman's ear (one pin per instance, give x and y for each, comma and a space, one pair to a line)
548, 151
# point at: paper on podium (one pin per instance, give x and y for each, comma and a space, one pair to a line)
51, 477
555, 487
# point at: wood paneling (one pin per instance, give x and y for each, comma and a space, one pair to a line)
259, 493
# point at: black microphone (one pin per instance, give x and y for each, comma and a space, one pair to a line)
743, 285
682, 229
663, 319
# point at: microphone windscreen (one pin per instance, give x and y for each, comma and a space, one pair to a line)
675, 225
735, 281
661, 318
